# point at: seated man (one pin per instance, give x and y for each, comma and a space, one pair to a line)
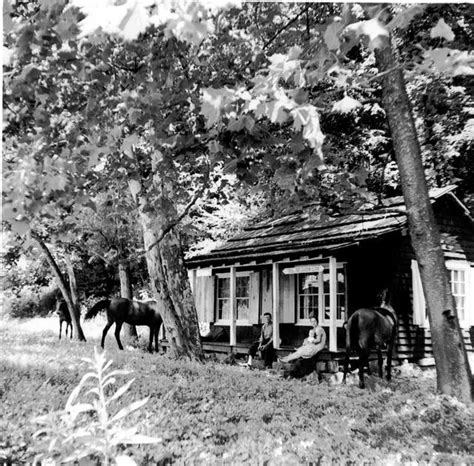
264, 344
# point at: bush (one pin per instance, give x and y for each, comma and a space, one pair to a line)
23, 305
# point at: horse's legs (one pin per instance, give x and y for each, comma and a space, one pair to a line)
118, 327
346, 365
104, 332
157, 329
389, 360
150, 342
363, 360
60, 327
380, 360
367, 364
71, 327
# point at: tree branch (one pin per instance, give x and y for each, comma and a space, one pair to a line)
286, 26
183, 214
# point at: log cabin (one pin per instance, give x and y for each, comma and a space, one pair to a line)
298, 264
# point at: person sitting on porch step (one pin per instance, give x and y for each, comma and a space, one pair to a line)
312, 345
264, 344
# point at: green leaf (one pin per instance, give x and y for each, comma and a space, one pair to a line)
74, 394
129, 409
307, 118
140, 439
135, 187
442, 30
346, 105
135, 21
214, 102
403, 19
121, 391
128, 143
372, 30
331, 35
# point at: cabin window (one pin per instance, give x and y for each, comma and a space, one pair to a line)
242, 298
308, 295
223, 298
313, 296
461, 277
459, 289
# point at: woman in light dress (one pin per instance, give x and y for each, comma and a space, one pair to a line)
312, 345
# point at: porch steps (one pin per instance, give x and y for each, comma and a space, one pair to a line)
415, 344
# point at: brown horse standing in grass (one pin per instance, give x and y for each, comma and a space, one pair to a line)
367, 328
63, 313
120, 310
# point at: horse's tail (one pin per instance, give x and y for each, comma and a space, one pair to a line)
94, 310
349, 325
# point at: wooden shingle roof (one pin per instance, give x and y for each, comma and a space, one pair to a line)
301, 233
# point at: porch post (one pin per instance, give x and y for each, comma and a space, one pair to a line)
233, 317
332, 304
276, 304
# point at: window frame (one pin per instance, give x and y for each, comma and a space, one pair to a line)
240, 322
420, 313
340, 266
462, 266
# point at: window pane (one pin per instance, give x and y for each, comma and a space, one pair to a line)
242, 286
326, 282
327, 301
341, 307
223, 288
341, 282
307, 305
309, 283
242, 308
224, 309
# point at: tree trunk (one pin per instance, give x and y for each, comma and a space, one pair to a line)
63, 287
126, 292
72, 283
176, 276
452, 367
170, 285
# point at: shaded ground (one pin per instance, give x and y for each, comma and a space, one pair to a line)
213, 413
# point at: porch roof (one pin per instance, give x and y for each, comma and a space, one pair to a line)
301, 233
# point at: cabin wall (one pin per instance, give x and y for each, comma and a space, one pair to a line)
371, 267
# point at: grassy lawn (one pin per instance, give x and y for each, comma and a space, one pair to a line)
214, 413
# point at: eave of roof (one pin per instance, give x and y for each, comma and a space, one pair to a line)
300, 233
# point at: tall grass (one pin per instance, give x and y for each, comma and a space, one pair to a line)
213, 414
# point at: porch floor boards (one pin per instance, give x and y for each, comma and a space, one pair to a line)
243, 348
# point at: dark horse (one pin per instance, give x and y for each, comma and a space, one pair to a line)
63, 313
120, 310
366, 328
